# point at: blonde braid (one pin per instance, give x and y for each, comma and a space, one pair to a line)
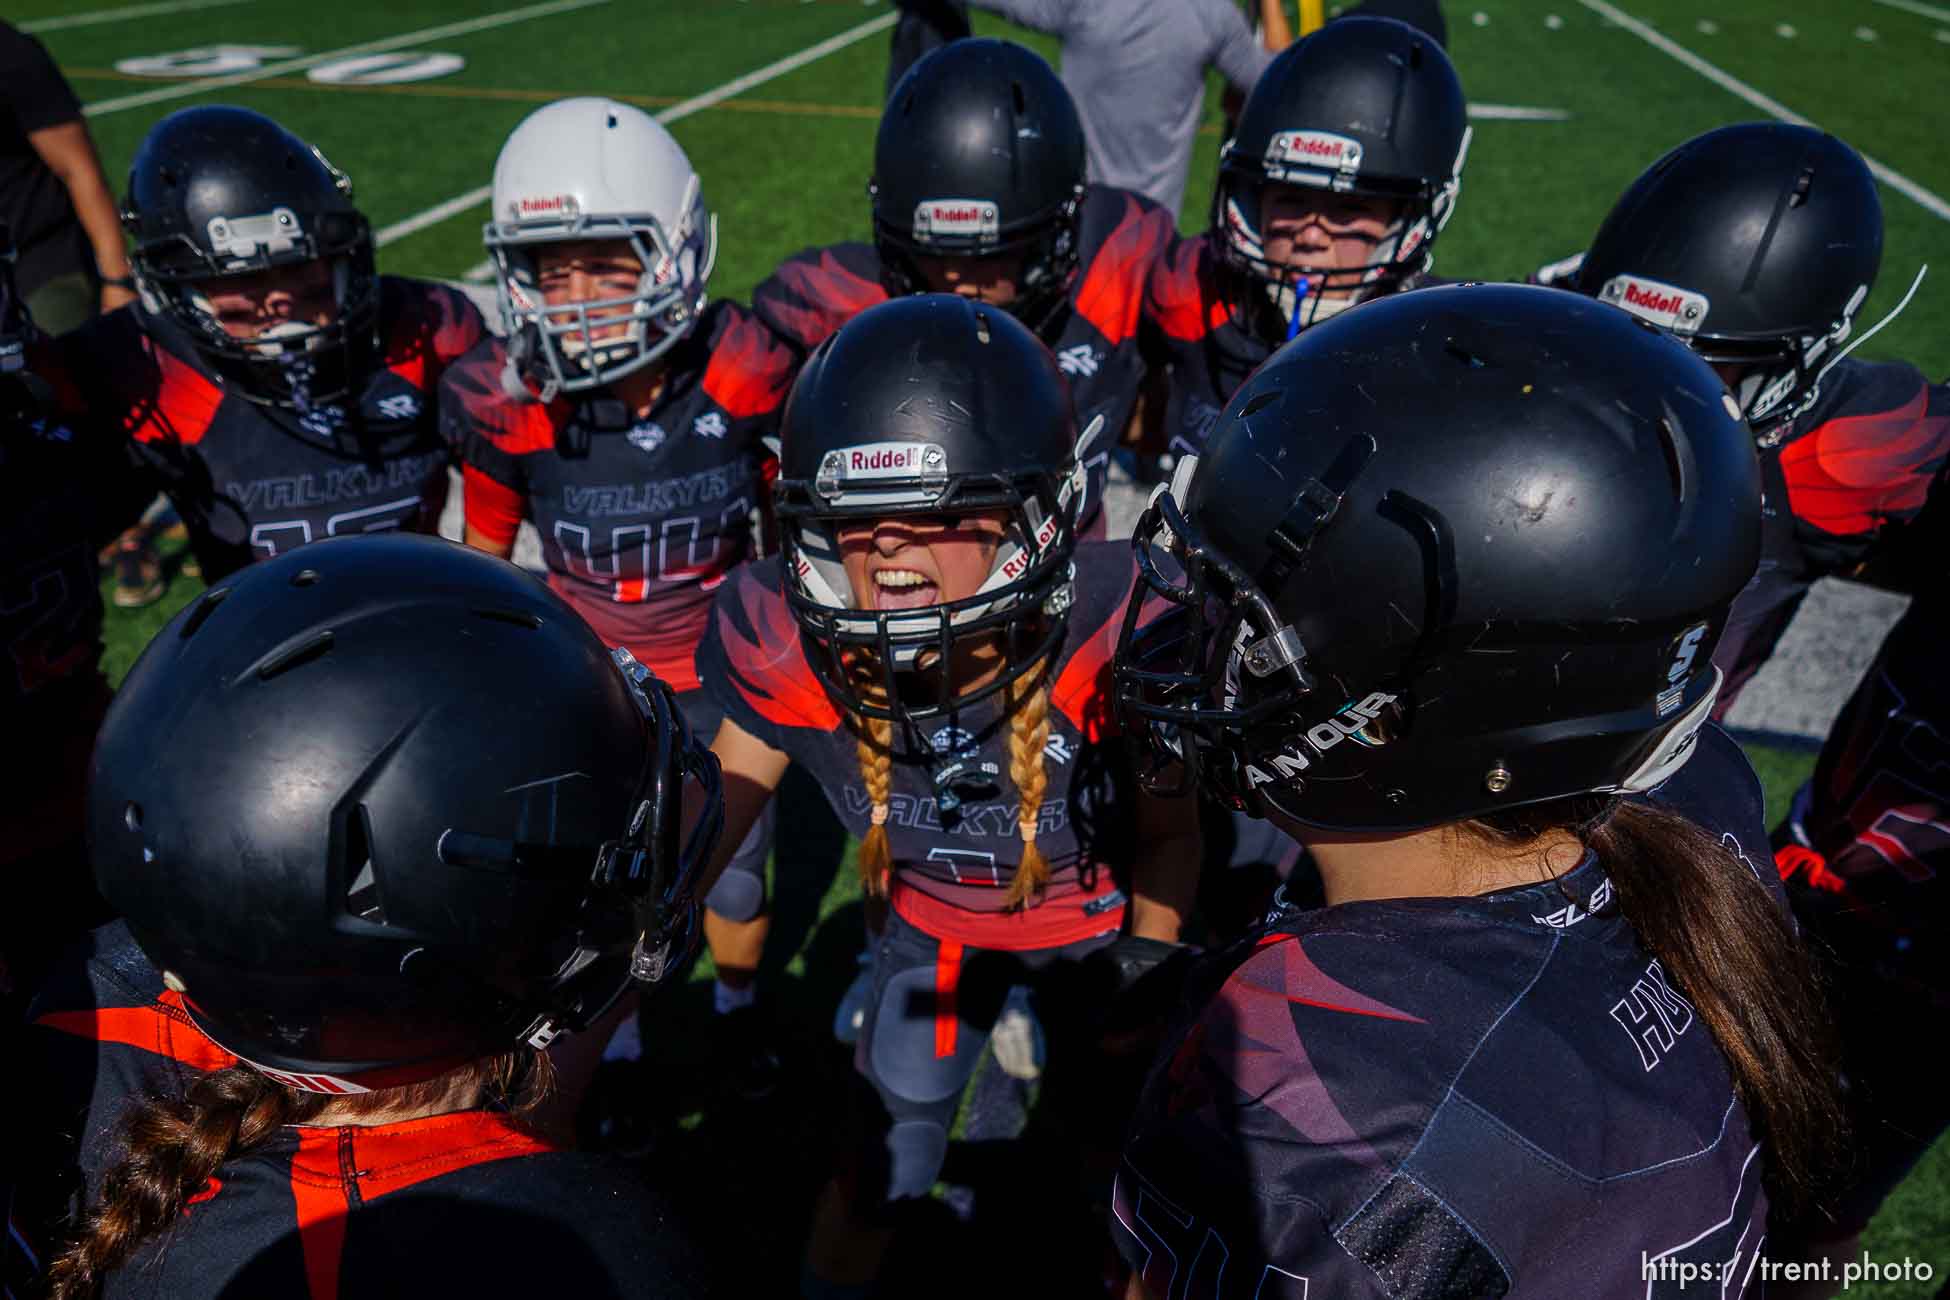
876, 750
1028, 734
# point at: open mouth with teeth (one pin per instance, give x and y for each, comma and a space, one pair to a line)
903, 589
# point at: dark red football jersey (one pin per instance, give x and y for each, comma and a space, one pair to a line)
952, 866
255, 481
461, 1203
640, 518
1094, 334
1844, 480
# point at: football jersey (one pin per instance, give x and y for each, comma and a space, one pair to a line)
461, 1203
1210, 354
640, 519
254, 481
1500, 1095
67, 486
955, 846
1845, 479
1094, 333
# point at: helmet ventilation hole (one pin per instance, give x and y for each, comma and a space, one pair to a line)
132, 816
304, 577
1022, 102
982, 326
1670, 445
362, 894
1802, 184
290, 657
520, 618
1259, 403
612, 121
204, 608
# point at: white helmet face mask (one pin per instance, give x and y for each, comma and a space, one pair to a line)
594, 169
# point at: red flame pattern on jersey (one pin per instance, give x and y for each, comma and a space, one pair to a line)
1182, 295
1850, 474
768, 661
1111, 295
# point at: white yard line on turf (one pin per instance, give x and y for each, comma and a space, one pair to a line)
460, 203
1937, 12
96, 16
184, 89
1517, 113
1726, 81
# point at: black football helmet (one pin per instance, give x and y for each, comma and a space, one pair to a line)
1363, 105
932, 406
980, 154
386, 804
1753, 244
1464, 549
217, 192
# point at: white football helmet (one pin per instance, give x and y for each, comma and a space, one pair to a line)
592, 168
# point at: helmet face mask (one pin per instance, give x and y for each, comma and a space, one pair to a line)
206, 206
1044, 254
900, 664
920, 409
585, 170
557, 344
1299, 296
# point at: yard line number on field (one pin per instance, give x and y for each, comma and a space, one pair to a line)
460, 203
1895, 180
486, 22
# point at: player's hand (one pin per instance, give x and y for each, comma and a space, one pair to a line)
114, 295
1147, 977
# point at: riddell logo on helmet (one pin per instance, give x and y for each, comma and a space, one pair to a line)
544, 205
1667, 306
935, 218
1315, 149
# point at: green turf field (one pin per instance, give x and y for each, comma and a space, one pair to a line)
785, 164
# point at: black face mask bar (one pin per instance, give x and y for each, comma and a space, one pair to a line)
1183, 679
655, 863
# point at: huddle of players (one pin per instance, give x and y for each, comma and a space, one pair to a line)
330, 801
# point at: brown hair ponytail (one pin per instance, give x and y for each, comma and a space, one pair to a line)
1731, 950
174, 1148
1028, 734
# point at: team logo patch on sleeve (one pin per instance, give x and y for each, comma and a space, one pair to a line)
1669, 307
956, 218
